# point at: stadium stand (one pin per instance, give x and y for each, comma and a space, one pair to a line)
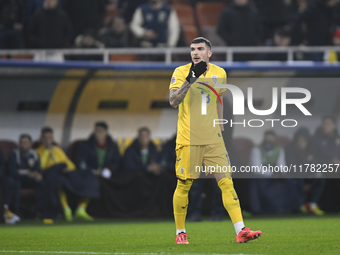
187, 20
207, 17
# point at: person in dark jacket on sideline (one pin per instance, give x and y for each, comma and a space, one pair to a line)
99, 154
50, 27
142, 155
299, 152
327, 141
240, 25
24, 170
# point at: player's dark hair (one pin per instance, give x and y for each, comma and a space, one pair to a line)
142, 129
22, 136
45, 130
102, 124
202, 40
270, 132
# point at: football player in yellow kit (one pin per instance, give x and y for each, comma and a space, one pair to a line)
198, 140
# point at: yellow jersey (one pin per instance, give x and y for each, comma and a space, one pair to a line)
53, 156
193, 127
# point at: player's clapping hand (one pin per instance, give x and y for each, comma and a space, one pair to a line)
196, 71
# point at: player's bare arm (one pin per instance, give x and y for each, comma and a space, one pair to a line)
220, 112
177, 96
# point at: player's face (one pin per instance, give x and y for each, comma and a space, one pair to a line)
200, 52
25, 144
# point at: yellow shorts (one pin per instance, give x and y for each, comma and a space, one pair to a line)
190, 158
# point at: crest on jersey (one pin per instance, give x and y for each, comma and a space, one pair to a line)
182, 170
214, 79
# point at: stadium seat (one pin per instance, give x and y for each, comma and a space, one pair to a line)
123, 57
159, 143
207, 17
22, 57
187, 20
123, 143
208, 13
243, 147
7, 146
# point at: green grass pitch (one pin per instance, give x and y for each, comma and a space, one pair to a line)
299, 235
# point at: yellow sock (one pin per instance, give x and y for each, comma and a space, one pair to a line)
230, 200
180, 202
63, 199
84, 203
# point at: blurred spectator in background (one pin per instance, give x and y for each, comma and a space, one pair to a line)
301, 151
11, 24
269, 192
141, 155
127, 8
50, 27
87, 40
155, 24
59, 172
274, 14
327, 141
99, 155
32, 6
240, 25
281, 38
24, 170
319, 19
327, 145
85, 14
115, 34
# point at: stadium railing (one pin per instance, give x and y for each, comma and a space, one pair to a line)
168, 52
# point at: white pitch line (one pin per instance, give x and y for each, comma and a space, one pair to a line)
111, 253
